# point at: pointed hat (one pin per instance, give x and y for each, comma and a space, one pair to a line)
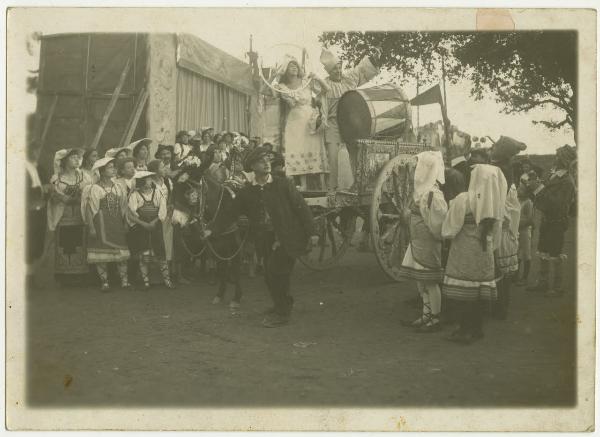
328, 59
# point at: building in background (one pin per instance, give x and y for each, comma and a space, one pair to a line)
104, 90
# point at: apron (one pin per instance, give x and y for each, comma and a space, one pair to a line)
150, 244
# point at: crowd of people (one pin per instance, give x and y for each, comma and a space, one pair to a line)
471, 233
470, 225
138, 213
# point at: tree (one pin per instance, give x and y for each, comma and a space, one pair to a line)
522, 70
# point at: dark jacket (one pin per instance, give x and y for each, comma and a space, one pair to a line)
291, 218
556, 198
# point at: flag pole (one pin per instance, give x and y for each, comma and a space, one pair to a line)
418, 120
444, 105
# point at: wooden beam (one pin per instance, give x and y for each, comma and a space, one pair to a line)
111, 105
48, 122
135, 118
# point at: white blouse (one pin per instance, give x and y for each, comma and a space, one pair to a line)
136, 200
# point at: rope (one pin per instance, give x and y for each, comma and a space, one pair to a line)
236, 253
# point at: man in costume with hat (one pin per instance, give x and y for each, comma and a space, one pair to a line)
340, 82
554, 199
281, 224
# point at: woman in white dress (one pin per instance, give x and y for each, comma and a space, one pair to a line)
303, 140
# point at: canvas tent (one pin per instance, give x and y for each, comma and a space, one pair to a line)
138, 85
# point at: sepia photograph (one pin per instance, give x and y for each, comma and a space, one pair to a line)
300, 219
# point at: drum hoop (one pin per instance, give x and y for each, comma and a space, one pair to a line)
260, 71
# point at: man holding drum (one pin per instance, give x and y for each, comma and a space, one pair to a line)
339, 82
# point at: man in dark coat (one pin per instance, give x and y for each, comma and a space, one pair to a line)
554, 199
281, 225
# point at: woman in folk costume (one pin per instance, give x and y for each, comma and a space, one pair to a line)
104, 207
422, 261
164, 185
341, 162
140, 153
118, 153
507, 261
554, 199
304, 145
89, 158
64, 215
147, 212
473, 224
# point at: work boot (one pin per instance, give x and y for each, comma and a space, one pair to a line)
557, 286
542, 283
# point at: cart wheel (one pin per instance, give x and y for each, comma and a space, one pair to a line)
334, 231
390, 206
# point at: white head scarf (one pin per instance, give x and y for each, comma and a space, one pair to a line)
429, 170
487, 192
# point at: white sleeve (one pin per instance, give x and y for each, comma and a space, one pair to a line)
162, 207
133, 205
434, 214
361, 74
455, 218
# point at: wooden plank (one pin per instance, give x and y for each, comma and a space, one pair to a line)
135, 118
111, 105
48, 122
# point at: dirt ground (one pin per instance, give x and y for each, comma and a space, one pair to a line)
345, 346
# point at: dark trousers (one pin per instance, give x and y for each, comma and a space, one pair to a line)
278, 266
471, 317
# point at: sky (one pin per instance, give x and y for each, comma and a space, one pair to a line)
273, 36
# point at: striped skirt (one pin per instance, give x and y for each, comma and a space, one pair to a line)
469, 274
412, 269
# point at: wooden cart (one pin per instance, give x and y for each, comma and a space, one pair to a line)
382, 198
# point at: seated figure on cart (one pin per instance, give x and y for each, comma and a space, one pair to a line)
303, 142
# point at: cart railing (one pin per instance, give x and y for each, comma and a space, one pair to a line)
373, 154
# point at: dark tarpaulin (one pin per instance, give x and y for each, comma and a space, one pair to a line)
206, 60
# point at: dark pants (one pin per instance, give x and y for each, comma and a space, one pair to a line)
278, 266
552, 236
471, 317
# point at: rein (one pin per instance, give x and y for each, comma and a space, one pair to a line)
227, 232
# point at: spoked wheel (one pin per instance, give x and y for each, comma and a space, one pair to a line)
390, 209
334, 231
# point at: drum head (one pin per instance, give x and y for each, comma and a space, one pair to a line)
354, 117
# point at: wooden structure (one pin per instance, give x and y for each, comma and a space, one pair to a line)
383, 185
104, 90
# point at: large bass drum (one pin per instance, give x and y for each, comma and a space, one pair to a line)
379, 111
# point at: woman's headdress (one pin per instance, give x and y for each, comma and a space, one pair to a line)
487, 192
429, 170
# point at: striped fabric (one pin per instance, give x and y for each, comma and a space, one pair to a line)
459, 289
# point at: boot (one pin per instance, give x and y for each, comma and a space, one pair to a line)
557, 286
544, 275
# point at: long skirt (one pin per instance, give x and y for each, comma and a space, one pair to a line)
36, 234
71, 243
469, 273
109, 245
508, 260
148, 246
423, 258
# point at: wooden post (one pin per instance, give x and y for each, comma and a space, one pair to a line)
111, 105
135, 118
48, 122
444, 105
